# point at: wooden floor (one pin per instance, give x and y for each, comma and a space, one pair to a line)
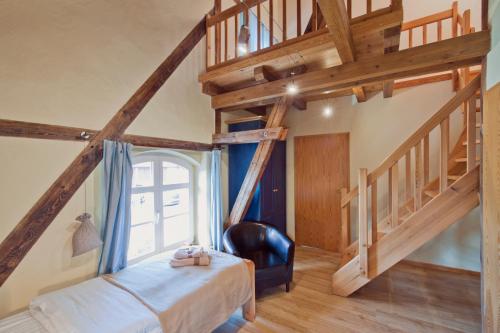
406, 298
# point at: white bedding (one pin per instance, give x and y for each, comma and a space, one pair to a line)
193, 299
93, 306
21, 323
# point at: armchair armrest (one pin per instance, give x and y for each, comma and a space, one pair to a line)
282, 245
229, 245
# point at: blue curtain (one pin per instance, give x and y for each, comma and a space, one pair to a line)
117, 188
216, 222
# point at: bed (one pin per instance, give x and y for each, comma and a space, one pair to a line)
149, 297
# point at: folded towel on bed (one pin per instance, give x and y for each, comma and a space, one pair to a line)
203, 260
189, 252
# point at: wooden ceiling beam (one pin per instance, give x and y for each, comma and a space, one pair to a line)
22, 238
453, 53
251, 136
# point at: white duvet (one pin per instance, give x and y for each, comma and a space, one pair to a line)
93, 306
150, 297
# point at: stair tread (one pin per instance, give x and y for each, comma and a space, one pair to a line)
431, 193
454, 177
464, 159
465, 142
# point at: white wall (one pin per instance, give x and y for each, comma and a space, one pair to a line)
75, 63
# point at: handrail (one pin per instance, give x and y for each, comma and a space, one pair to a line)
231, 11
459, 98
446, 14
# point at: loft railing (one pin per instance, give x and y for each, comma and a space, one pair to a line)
270, 22
415, 176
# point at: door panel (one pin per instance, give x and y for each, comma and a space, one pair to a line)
321, 170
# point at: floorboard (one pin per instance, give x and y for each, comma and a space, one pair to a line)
407, 298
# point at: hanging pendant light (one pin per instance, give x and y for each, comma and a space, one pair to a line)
86, 237
243, 38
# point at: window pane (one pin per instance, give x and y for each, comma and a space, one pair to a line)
142, 240
176, 229
143, 174
175, 202
174, 174
142, 208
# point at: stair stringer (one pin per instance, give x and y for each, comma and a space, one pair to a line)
422, 226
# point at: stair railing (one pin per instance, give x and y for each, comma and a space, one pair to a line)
416, 175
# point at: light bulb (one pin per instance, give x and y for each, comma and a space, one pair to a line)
292, 89
327, 111
242, 48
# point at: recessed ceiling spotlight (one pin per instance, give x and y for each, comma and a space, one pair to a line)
292, 88
327, 111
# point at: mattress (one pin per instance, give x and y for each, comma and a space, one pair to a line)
21, 323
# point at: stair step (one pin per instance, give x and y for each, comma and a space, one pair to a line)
431, 193
454, 177
464, 160
465, 142
478, 109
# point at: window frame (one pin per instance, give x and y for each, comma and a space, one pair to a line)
157, 189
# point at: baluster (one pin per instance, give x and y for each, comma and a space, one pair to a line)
424, 34
368, 6
467, 26
426, 159
208, 54
314, 16
440, 30
284, 21
218, 35
443, 154
346, 227
408, 175
225, 40
374, 212
363, 221
418, 176
299, 19
258, 26
410, 38
454, 32
271, 22
247, 23
349, 9
394, 190
236, 36
471, 134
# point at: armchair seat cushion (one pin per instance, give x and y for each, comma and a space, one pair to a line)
264, 259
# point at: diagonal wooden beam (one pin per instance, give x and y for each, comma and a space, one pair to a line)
258, 164
250, 136
440, 56
20, 240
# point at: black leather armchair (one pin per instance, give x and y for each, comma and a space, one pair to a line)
270, 250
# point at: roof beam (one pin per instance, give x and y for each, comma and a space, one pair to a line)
457, 52
20, 240
251, 136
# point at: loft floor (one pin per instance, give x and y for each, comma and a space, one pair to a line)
407, 298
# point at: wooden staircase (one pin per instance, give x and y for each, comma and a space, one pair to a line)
425, 208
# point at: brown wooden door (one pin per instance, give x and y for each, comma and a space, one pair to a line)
321, 170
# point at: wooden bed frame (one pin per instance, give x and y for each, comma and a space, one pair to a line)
248, 309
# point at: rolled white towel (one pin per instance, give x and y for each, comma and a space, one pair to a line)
203, 260
189, 252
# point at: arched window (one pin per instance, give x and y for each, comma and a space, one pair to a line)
161, 204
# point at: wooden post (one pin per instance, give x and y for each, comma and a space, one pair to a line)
426, 159
248, 309
394, 189
363, 221
408, 175
258, 164
374, 213
208, 53
284, 21
471, 134
419, 177
443, 154
314, 16
218, 34
299, 19
454, 33
258, 27
271, 22
20, 240
225, 40
439, 30
345, 223
424, 34
236, 36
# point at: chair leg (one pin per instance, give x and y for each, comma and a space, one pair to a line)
287, 286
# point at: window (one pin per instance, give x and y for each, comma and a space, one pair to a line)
161, 204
